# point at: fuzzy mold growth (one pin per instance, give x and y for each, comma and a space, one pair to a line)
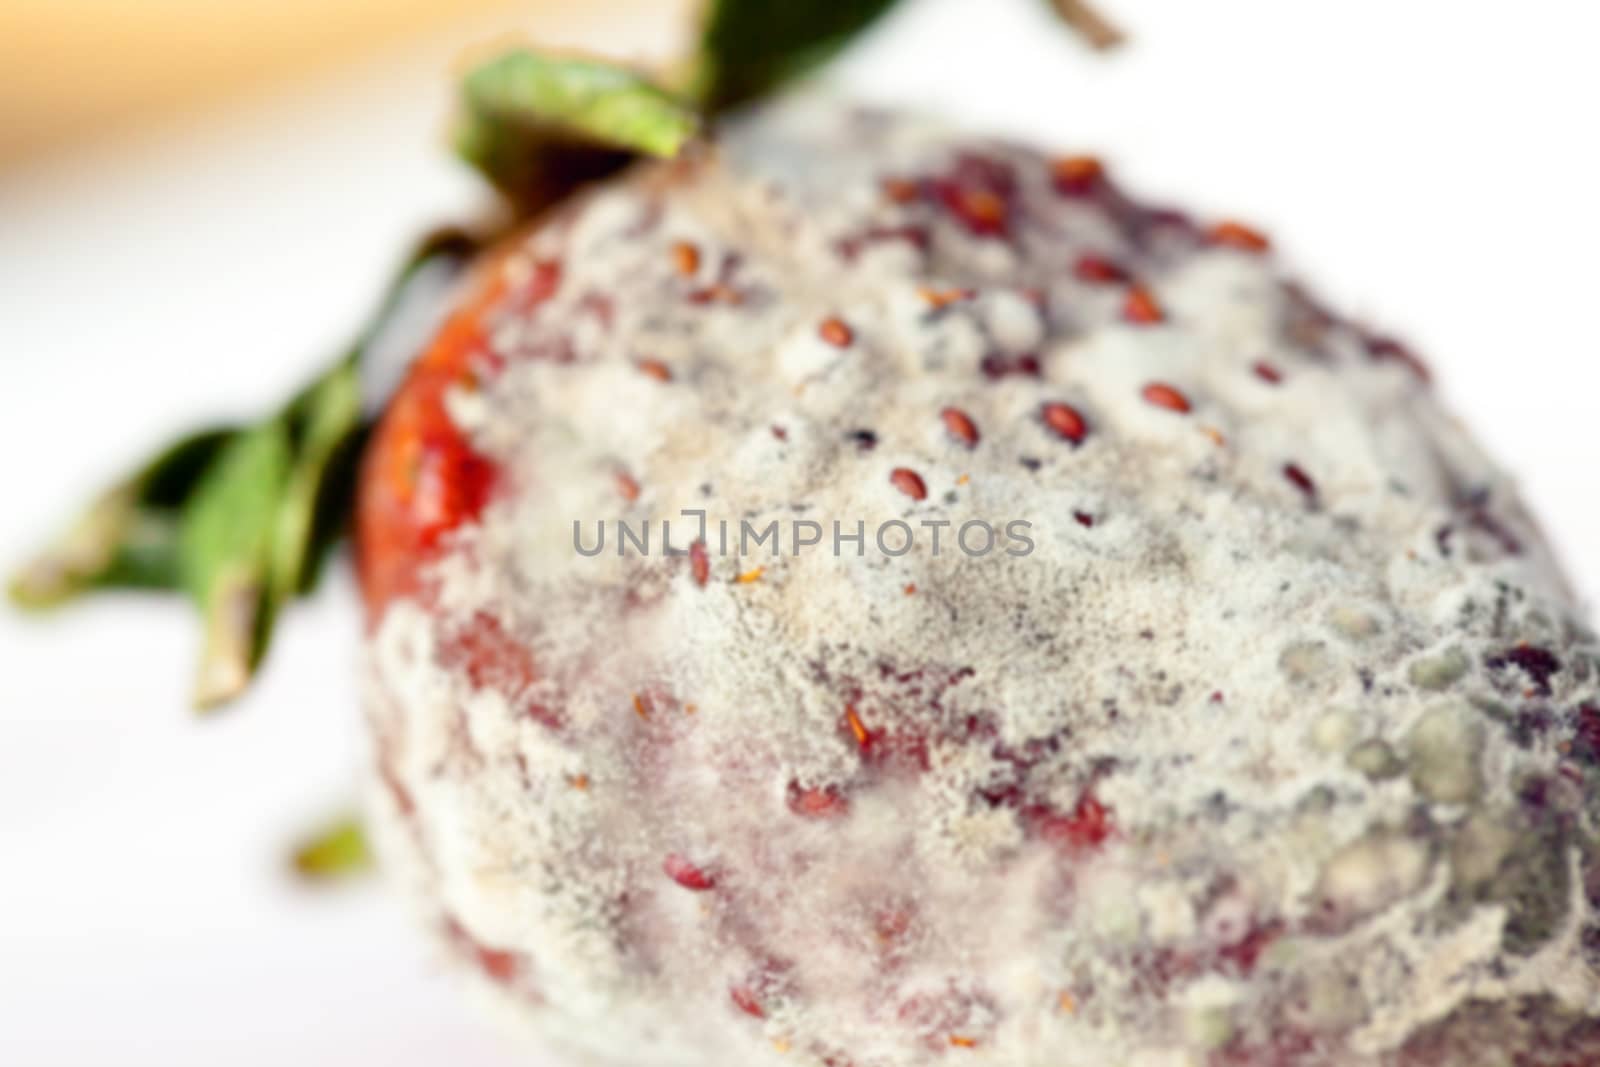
1270, 736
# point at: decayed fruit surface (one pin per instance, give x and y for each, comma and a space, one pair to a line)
1272, 739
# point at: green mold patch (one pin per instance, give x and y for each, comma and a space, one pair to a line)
1520, 863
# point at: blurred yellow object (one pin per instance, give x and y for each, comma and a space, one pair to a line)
73, 68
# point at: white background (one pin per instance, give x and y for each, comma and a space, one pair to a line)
1426, 163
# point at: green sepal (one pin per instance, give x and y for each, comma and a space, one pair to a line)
338, 851
227, 550
536, 126
127, 538
749, 48
238, 518
326, 426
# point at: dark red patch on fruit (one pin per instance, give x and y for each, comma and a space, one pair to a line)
539, 285
978, 191
960, 425
1083, 518
430, 482
490, 656
909, 482
745, 998
498, 964
1098, 270
1066, 421
1162, 395
420, 476
1087, 826
1538, 664
687, 874
997, 365
1267, 372
493, 658
453, 483
885, 750
984, 212
1241, 957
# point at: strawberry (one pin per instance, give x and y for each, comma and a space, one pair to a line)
1215, 703
844, 794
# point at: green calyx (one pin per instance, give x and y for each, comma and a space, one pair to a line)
237, 518
535, 126
748, 50
127, 538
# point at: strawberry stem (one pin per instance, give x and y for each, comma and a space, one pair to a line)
1100, 32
